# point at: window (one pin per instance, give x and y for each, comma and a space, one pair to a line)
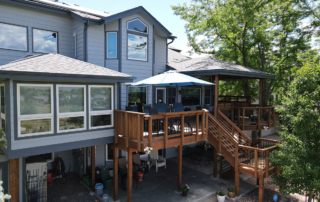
13, 37
111, 45
109, 152
71, 104
190, 96
101, 106
3, 108
137, 47
45, 41
35, 109
137, 26
161, 95
137, 94
172, 95
207, 96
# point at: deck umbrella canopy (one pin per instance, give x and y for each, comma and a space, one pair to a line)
171, 78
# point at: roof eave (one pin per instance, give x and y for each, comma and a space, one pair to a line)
5, 74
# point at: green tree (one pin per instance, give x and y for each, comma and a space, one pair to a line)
299, 147
261, 34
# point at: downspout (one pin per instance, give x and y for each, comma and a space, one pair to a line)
85, 40
173, 38
75, 44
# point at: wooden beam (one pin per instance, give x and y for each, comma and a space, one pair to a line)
197, 127
14, 179
150, 131
126, 129
179, 168
261, 189
165, 131
182, 129
93, 167
215, 162
216, 94
260, 92
115, 172
129, 176
236, 183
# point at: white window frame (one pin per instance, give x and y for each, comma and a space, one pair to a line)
101, 112
72, 114
137, 87
34, 116
116, 45
136, 30
165, 95
146, 49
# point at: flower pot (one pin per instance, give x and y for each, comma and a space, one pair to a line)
221, 198
184, 193
230, 194
140, 176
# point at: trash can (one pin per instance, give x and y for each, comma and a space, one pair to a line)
105, 197
99, 188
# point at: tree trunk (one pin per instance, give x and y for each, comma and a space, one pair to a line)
310, 196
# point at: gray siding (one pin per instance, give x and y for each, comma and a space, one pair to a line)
160, 54
78, 30
34, 18
95, 44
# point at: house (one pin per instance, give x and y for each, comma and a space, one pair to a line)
64, 75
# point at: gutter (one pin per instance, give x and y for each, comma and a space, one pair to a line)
86, 25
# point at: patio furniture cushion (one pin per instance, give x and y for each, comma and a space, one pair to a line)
160, 107
122, 165
178, 107
157, 160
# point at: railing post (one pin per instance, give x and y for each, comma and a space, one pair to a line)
116, 132
207, 125
197, 126
238, 117
182, 129
243, 117
267, 164
138, 131
236, 158
150, 131
219, 133
259, 117
255, 163
126, 128
165, 131
202, 128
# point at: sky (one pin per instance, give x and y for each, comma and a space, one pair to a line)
161, 10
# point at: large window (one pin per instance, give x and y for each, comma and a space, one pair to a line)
13, 37
137, 47
35, 109
45, 41
137, 94
71, 109
101, 106
207, 96
137, 26
111, 45
172, 95
191, 96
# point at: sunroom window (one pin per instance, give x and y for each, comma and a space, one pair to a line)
71, 108
45, 41
35, 109
137, 26
137, 47
13, 37
101, 106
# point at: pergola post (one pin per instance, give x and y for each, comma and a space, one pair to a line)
215, 162
179, 168
216, 95
14, 179
115, 171
260, 103
261, 189
129, 176
93, 166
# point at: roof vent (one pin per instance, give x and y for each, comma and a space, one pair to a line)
76, 4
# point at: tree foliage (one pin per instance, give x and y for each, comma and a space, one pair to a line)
265, 35
299, 147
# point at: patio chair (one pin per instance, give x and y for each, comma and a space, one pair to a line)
139, 104
160, 107
178, 107
147, 109
122, 166
134, 108
138, 163
157, 160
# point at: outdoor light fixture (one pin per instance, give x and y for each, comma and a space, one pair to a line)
148, 150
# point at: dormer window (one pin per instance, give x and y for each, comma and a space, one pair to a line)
137, 25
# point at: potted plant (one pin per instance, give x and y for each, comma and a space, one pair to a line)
231, 192
221, 196
185, 189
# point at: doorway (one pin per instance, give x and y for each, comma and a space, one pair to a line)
160, 95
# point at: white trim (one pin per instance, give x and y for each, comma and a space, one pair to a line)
72, 114
145, 49
137, 87
136, 30
164, 98
116, 45
34, 116
102, 112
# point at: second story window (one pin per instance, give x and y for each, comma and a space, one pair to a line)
13, 37
137, 47
111, 45
45, 41
137, 25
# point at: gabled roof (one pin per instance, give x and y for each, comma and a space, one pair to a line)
211, 66
60, 67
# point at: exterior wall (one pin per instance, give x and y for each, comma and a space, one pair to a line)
95, 45
34, 18
113, 63
78, 30
160, 55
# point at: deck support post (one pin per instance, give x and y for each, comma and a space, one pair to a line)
215, 162
179, 168
216, 94
115, 171
237, 183
129, 177
261, 189
14, 179
93, 166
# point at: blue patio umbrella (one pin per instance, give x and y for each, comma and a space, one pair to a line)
171, 78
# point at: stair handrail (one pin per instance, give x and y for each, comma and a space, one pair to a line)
235, 127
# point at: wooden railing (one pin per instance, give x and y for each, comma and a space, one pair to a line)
255, 158
137, 130
250, 118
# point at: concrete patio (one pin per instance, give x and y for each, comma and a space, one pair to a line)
162, 185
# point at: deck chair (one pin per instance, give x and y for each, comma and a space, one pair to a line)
138, 163
122, 166
147, 109
178, 107
160, 107
134, 108
157, 160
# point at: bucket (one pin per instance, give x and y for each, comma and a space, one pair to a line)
99, 188
105, 197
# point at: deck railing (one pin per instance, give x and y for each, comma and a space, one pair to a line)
137, 130
256, 156
250, 118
